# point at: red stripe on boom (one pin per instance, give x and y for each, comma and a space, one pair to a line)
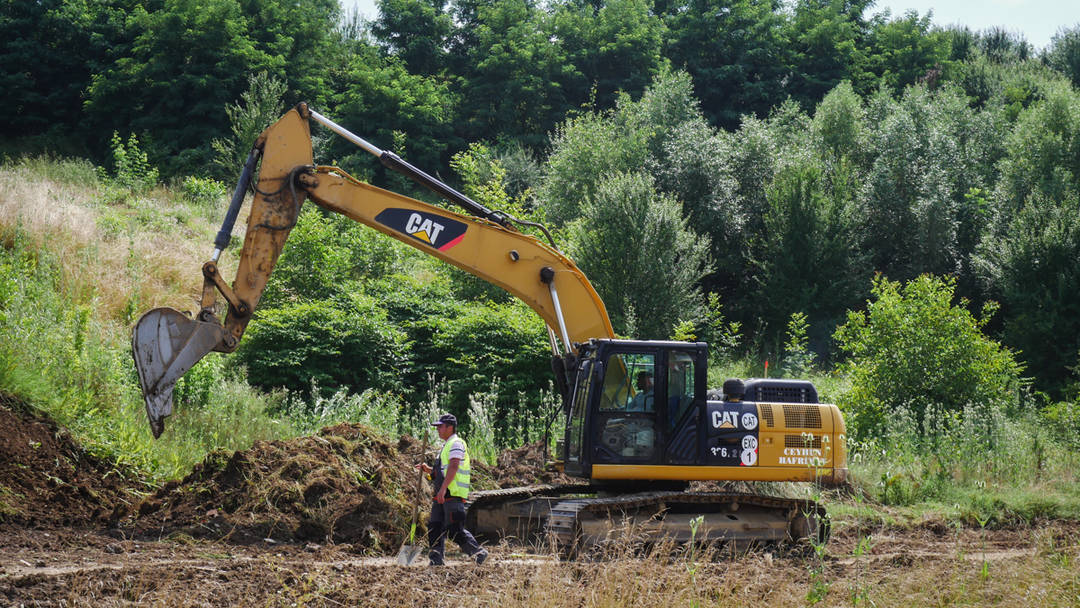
451, 243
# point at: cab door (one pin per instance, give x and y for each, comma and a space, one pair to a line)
576, 441
625, 427
685, 372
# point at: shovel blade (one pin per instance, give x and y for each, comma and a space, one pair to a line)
408, 554
166, 344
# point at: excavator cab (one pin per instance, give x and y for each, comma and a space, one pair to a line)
640, 411
635, 403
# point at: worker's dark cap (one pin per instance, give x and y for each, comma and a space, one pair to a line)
446, 419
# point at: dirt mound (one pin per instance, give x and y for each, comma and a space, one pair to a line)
47, 479
524, 466
345, 485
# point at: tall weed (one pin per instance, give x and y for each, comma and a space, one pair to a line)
978, 463
482, 426
379, 410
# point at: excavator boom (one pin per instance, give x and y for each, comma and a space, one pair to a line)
167, 343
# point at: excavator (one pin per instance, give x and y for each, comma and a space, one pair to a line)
641, 424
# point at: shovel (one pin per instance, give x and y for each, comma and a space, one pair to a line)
410, 551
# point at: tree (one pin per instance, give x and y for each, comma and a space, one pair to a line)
258, 108
384, 103
415, 31
737, 52
1063, 54
840, 123
186, 64
51, 50
828, 40
904, 51
583, 149
913, 348
928, 150
614, 45
516, 77
1002, 46
638, 251
1032, 267
1042, 153
302, 38
806, 260
636, 135
190, 59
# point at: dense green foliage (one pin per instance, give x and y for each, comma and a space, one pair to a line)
640, 255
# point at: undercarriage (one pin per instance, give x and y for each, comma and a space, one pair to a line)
579, 518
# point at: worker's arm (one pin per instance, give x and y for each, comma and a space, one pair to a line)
451, 471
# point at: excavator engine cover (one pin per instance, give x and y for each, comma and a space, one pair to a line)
166, 344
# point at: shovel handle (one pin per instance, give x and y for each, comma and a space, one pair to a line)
419, 488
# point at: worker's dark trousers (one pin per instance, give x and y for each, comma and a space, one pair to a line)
448, 519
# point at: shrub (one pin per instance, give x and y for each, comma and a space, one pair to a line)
913, 348
203, 191
480, 342
345, 342
325, 255
1063, 418
131, 168
798, 358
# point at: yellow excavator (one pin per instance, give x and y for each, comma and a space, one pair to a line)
640, 421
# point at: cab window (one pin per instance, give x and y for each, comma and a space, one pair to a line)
628, 383
680, 384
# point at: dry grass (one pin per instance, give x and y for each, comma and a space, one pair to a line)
123, 252
1031, 567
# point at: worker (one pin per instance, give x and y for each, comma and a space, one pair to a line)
643, 400
451, 476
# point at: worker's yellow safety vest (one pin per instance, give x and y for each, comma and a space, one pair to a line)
459, 485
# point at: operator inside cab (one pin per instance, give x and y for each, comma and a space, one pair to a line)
643, 400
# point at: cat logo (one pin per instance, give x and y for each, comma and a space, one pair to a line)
423, 229
725, 420
440, 232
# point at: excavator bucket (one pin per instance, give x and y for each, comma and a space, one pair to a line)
166, 344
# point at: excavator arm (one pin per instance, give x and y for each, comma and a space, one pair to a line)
167, 343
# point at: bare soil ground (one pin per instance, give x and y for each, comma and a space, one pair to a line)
316, 522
